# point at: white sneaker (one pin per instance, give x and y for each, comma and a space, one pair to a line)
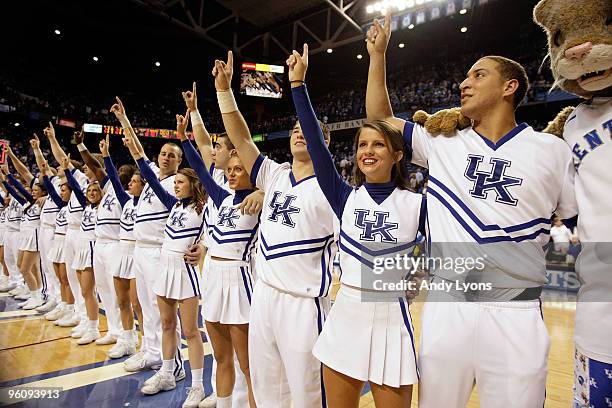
21, 290
23, 295
195, 395
79, 331
47, 307
33, 303
89, 336
69, 319
55, 314
209, 402
140, 364
120, 349
106, 340
158, 383
7, 287
22, 304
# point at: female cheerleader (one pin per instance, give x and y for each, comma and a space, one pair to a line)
63, 316
364, 341
83, 257
30, 226
123, 270
228, 285
177, 285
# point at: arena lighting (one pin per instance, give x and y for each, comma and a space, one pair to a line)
96, 59
329, 50
57, 32
411, 26
17, 124
359, 56
401, 45
157, 64
394, 5
462, 11
463, 29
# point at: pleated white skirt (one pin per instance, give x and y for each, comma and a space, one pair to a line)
176, 279
124, 266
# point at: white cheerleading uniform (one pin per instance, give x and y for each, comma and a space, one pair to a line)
290, 299
368, 339
56, 253
149, 226
71, 241
49, 213
11, 240
125, 267
83, 257
588, 132
228, 286
30, 227
3, 212
496, 199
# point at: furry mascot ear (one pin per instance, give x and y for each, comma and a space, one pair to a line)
555, 126
445, 121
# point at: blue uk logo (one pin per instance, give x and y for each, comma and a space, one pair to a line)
494, 180
108, 202
227, 215
283, 209
177, 220
378, 226
130, 215
148, 195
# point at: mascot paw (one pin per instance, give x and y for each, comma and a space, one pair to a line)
555, 126
445, 121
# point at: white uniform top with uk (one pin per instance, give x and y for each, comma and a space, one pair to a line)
232, 235
3, 212
50, 208
13, 216
588, 132
501, 194
75, 210
218, 176
184, 226
59, 218
109, 214
87, 229
127, 203
151, 213
61, 224
296, 231
30, 214
31, 219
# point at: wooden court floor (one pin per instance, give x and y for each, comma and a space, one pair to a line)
35, 353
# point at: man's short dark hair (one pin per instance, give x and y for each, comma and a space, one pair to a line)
510, 69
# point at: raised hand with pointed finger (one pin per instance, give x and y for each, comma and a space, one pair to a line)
298, 65
377, 37
35, 142
223, 72
181, 125
49, 131
104, 146
79, 136
191, 98
118, 110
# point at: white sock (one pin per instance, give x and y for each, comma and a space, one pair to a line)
92, 325
167, 367
196, 378
225, 402
126, 336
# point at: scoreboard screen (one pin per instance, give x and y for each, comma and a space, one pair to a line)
261, 80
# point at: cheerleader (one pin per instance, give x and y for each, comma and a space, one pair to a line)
364, 340
63, 315
30, 256
83, 257
177, 282
12, 237
5, 285
123, 268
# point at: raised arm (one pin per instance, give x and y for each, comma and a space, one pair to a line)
119, 110
56, 149
88, 158
20, 188
378, 105
9, 189
53, 193
145, 171
195, 161
38, 155
113, 176
74, 185
335, 189
201, 135
235, 125
21, 168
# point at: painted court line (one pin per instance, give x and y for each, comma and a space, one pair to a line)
18, 313
86, 377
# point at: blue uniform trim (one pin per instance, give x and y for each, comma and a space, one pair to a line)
407, 133
293, 180
246, 286
506, 138
295, 243
478, 238
325, 271
255, 169
402, 305
320, 321
373, 252
141, 219
364, 261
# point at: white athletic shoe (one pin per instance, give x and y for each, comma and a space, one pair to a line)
140, 364
138, 356
7, 287
79, 331
32, 303
47, 307
106, 340
158, 383
22, 304
18, 289
195, 395
68, 319
23, 295
89, 337
209, 402
55, 314
121, 348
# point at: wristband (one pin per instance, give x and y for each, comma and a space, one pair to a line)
297, 80
81, 147
227, 103
196, 118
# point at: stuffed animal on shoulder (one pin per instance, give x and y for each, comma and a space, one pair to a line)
579, 36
